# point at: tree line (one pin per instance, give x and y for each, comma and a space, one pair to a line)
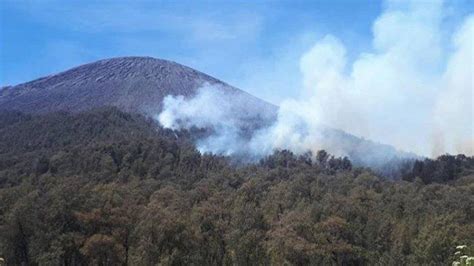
106, 187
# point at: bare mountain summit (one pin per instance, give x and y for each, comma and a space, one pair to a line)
131, 83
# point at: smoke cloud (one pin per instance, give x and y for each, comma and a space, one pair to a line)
231, 117
412, 90
402, 92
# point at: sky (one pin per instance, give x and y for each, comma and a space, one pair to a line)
254, 45
244, 43
395, 71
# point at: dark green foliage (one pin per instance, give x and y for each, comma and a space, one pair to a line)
111, 188
443, 169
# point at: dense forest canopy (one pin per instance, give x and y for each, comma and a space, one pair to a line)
106, 187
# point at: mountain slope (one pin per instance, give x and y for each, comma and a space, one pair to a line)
136, 84
139, 84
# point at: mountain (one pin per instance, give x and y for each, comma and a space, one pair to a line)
136, 84
139, 84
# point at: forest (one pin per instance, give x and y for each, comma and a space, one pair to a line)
105, 187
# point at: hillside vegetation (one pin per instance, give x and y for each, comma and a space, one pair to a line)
106, 187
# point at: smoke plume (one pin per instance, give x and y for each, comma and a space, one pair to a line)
413, 89
230, 116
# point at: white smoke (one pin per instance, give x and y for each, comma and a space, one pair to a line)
207, 109
400, 92
228, 114
454, 109
413, 90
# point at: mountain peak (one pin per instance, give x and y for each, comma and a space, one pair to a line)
130, 83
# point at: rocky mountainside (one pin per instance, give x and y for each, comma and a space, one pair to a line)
130, 83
